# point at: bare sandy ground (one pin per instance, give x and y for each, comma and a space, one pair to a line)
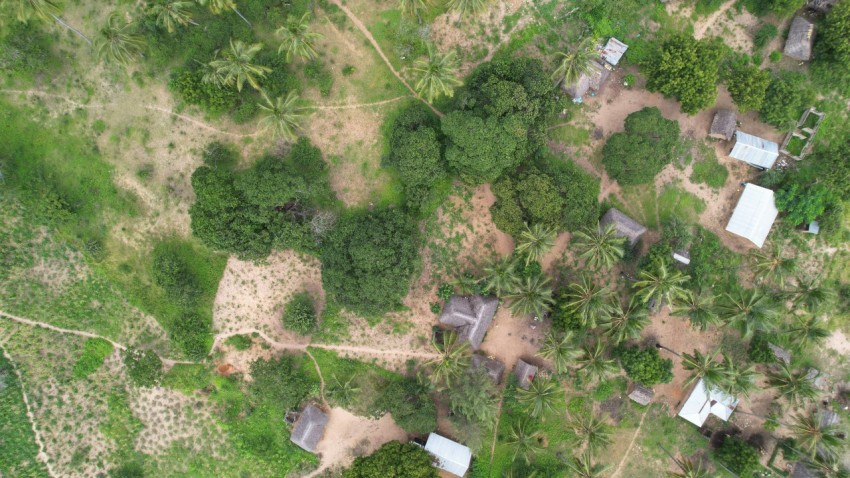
511, 338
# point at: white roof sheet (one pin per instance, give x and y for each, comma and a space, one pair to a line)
614, 51
754, 215
451, 456
754, 150
703, 402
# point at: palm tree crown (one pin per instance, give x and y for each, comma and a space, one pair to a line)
541, 396
815, 433
467, 6
749, 310
662, 285
170, 14
591, 431
703, 366
412, 8
593, 362
523, 440
500, 276
560, 349
437, 74
297, 39
532, 297
575, 63
624, 323
282, 115
236, 66
601, 247
119, 41
588, 300
582, 466
454, 359
771, 266
795, 386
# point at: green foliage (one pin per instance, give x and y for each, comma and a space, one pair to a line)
775, 56
649, 143
738, 456
299, 315
710, 171
408, 401
369, 259
833, 38
393, 460
759, 351
605, 389
278, 383
144, 367
481, 149
445, 291
320, 76
686, 69
747, 86
95, 352
765, 34
25, 50
473, 398
187, 377
803, 205
240, 342
531, 199
786, 97
644, 365
19, 451
213, 98
270, 205
712, 264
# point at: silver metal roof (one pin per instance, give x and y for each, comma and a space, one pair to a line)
754, 150
451, 456
614, 51
754, 215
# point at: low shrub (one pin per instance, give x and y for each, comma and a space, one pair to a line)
144, 367
239, 342
299, 315
95, 352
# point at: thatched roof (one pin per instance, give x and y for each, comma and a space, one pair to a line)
723, 125
309, 428
822, 6
780, 353
525, 373
624, 225
589, 81
828, 418
493, 367
800, 38
641, 394
819, 379
471, 316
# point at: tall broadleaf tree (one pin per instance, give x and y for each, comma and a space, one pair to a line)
171, 14
297, 39
437, 74
118, 41
44, 10
235, 65
574, 63
282, 115
600, 247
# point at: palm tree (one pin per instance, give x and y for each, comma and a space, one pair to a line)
534, 241
218, 6
575, 63
465, 284
815, 434
343, 391
523, 441
437, 75
750, 311
473, 398
236, 66
771, 266
662, 285
794, 386
600, 247
810, 294
624, 323
532, 297
118, 41
44, 10
699, 307
500, 276
540, 397
172, 13
560, 349
593, 363
737, 380
588, 301
413, 8
282, 115
591, 431
582, 466
464, 6
703, 366
807, 331
454, 358
297, 39
827, 466
688, 468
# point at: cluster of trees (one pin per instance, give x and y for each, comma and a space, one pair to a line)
650, 142
687, 69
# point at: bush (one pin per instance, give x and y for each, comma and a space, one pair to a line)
764, 35
278, 383
445, 291
686, 69
95, 352
833, 39
320, 76
187, 377
644, 365
393, 460
649, 142
240, 342
775, 56
738, 456
25, 50
246, 111
747, 86
710, 171
212, 98
530, 199
786, 97
172, 273
192, 333
144, 367
803, 205
759, 350
300, 314
410, 405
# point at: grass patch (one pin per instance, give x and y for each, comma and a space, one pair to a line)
795, 145
650, 210
187, 377
570, 135
19, 450
240, 342
709, 171
95, 352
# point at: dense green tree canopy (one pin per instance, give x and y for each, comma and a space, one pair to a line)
408, 401
785, 98
738, 456
415, 152
747, 86
480, 149
368, 260
649, 143
533, 198
393, 460
833, 39
803, 205
686, 69
645, 365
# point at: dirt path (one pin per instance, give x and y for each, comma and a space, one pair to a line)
365, 31
359, 105
631, 444
42, 454
702, 26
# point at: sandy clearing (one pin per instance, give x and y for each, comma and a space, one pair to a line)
511, 338
839, 342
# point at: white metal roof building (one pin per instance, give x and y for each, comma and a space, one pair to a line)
703, 402
753, 150
614, 51
451, 456
754, 215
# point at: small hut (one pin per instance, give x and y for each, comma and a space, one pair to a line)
493, 367
594, 80
821, 6
613, 51
450, 456
723, 125
801, 36
309, 428
641, 394
525, 373
471, 317
624, 225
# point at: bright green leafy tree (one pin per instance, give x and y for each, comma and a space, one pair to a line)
686, 69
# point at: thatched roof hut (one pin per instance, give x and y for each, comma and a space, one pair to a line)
801, 36
821, 6
723, 125
525, 373
493, 367
641, 394
309, 428
624, 225
471, 317
592, 81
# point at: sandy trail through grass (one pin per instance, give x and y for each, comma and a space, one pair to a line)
631, 444
702, 26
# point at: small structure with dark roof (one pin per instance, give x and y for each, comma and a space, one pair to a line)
471, 317
525, 373
641, 394
594, 80
801, 36
819, 379
780, 353
623, 225
309, 428
821, 6
613, 51
723, 125
493, 367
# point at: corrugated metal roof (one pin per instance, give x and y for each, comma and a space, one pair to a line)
451, 456
704, 401
614, 51
754, 150
754, 215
